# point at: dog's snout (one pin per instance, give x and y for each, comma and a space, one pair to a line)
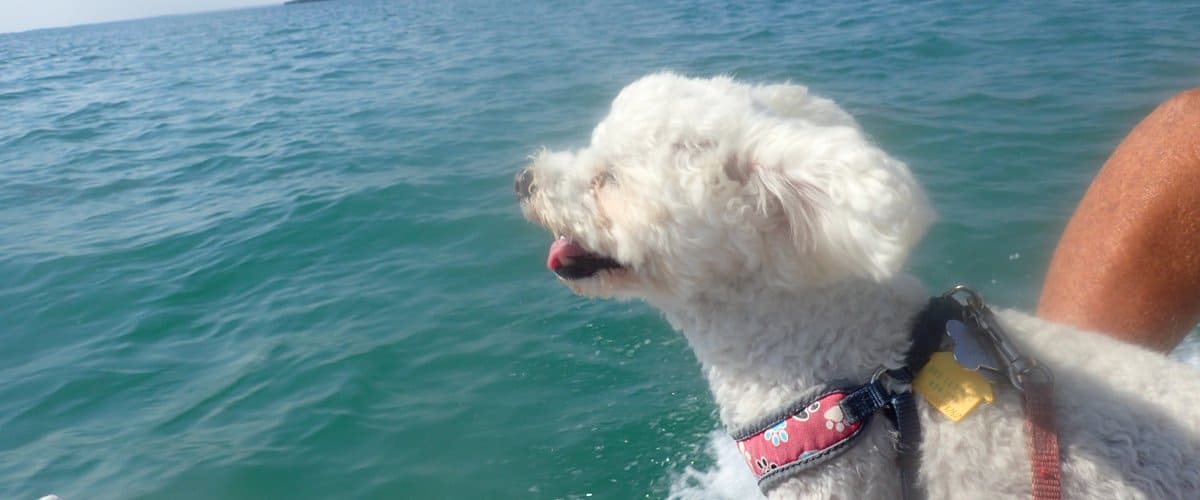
523, 184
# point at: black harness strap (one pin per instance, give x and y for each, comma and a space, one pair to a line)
929, 331
928, 334
903, 414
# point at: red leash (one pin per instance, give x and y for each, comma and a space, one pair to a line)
1037, 393
1042, 440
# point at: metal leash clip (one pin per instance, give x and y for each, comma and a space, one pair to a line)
973, 356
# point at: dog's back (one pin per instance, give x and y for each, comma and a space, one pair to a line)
1126, 420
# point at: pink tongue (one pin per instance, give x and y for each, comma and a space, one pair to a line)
563, 248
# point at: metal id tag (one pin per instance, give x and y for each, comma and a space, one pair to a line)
969, 349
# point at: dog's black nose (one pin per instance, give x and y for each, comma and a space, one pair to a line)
523, 184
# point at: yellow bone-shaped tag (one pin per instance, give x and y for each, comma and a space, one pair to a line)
950, 388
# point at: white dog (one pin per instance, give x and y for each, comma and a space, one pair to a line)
769, 231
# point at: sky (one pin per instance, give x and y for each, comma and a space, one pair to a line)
22, 15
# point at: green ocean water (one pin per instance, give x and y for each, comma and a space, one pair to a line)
274, 252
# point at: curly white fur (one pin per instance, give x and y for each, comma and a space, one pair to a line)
770, 231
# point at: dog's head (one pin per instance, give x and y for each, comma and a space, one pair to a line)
700, 185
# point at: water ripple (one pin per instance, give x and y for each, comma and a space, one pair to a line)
275, 250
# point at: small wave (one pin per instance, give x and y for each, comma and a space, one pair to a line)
316, 54
95, 110
283, 32
46, 136
24, 93
1189, 350
726, 479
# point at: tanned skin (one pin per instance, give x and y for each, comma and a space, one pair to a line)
1128, 263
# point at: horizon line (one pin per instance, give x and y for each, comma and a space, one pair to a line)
277, 3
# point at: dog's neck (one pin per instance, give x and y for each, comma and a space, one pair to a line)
763, 350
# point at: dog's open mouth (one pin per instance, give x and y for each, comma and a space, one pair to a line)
570, 260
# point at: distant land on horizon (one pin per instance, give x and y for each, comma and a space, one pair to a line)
291, 2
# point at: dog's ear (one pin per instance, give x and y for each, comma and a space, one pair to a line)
849, 208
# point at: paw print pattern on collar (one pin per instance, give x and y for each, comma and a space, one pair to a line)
805, 437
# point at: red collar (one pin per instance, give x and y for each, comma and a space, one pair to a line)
813, 432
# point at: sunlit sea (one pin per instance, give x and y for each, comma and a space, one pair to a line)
274, 252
